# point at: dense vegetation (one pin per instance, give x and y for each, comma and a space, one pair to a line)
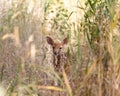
92, 27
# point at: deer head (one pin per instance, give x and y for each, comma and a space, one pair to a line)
57, 47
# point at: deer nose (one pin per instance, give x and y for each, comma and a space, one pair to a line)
55, 53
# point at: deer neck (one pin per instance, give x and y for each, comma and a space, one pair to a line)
56, 60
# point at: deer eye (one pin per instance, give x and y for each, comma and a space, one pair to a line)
60, 47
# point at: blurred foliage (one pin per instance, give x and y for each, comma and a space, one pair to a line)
97, 18
93, 51
58, 17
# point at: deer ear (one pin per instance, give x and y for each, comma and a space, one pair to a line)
49, 40
65, 41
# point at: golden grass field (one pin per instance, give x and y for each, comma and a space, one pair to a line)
93, 29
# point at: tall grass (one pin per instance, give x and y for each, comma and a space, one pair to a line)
93, 49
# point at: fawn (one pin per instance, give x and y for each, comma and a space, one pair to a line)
59, 56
